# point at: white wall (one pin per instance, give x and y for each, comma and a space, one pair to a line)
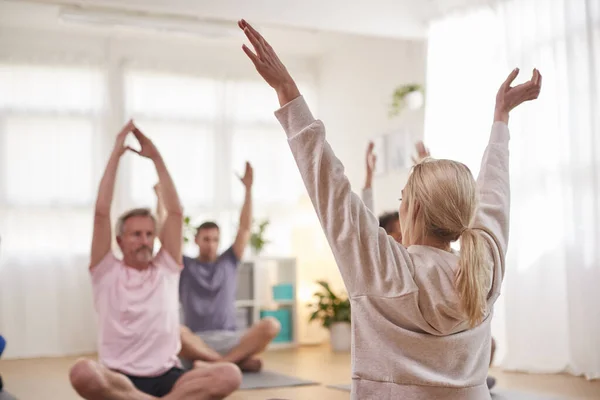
356, 82
356, 79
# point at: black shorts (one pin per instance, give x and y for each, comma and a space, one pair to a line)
158, 386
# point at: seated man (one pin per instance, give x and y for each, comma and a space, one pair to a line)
207, 291
136, 302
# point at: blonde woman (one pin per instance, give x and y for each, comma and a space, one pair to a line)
390, 221
421, 312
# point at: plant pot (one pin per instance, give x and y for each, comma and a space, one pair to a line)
414, 100
340, 335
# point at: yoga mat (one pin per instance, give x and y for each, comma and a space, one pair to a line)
340, 387
500, 394
497, 394
268, 379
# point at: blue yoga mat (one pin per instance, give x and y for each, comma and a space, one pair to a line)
2, 344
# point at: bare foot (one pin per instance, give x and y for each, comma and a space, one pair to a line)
251, 365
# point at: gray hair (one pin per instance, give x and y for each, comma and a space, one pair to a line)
136, 212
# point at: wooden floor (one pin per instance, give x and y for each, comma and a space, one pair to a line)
46, 379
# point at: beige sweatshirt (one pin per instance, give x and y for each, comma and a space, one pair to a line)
411, 340
367, 198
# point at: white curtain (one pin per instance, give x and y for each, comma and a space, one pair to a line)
56, 130
49, 132
547, 319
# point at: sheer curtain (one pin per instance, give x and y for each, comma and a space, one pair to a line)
49, 130
551, 295
256, 136
547, 319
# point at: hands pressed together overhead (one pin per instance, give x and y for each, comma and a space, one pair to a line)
147, 148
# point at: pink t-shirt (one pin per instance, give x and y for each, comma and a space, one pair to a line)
138, 315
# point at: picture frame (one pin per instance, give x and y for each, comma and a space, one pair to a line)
398, 148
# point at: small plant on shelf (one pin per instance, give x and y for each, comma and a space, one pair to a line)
330, 308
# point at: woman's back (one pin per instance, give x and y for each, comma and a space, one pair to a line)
411, 339
416, 341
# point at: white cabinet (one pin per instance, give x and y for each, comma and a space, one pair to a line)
266, 286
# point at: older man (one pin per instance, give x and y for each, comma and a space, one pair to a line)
136, 301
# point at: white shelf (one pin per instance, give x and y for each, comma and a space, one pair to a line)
276, 303
245, 303
256, 278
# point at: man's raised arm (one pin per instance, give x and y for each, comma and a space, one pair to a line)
244, 230
171, 231
102, 235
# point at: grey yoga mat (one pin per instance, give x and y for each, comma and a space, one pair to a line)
497, 394
500, 394
4, 395
340, 387
262, 379
268, 379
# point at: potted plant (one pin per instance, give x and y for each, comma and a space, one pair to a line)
407, 96
257, 238
189, 232
333, 311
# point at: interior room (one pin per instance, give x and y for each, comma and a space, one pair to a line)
168, 86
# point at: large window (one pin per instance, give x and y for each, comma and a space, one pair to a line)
55, 142
49, 126
179, 114
257, 137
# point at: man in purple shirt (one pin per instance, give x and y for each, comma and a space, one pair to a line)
207, 292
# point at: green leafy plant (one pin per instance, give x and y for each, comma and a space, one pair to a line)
399, 95
329, 308
257, 238
189, 232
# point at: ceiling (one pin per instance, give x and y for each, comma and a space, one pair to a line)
384, 18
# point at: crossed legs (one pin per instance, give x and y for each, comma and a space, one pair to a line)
93, 381
254, 341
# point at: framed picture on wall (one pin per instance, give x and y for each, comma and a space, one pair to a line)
398, 146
